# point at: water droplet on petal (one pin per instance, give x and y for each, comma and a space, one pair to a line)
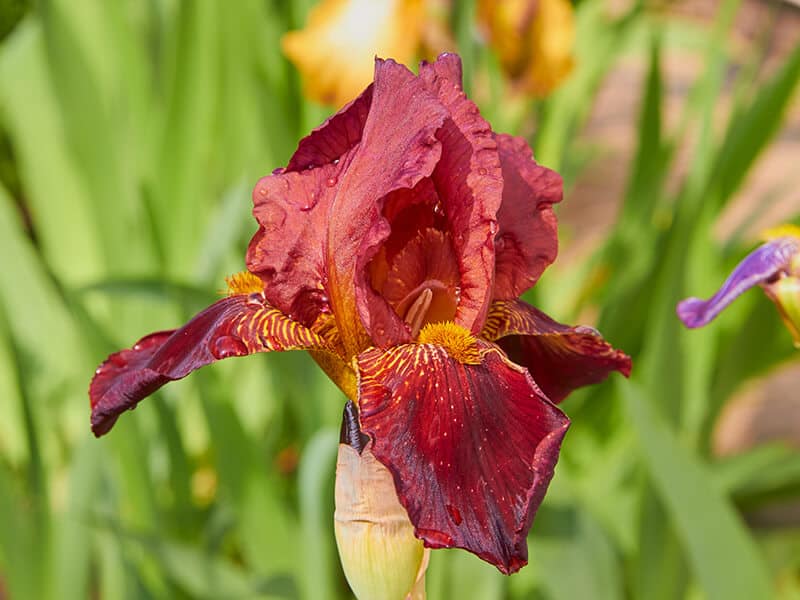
331, 181
481, 171
227, 346
454, 514
117, 360
256, 299
493, 227
272, 216
335, 161
439, 538
587, 329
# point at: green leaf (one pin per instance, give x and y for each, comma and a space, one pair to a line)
713, 536
752, 128
315, 488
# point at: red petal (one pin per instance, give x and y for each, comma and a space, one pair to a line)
560, 358
234, 326
470, 185
427, 261
471, 447
527, 240
397, 150
291, 207
335, 137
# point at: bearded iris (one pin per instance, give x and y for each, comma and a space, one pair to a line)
394, 247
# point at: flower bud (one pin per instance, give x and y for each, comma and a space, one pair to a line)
382, 559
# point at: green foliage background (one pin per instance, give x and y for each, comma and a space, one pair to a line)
130, 136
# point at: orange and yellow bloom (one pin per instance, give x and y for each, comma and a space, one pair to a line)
334, 52
533, 39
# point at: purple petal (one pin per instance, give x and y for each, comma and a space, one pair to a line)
759, 266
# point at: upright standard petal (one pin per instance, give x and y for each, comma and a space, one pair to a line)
527, 236
470, 186
291, 207
398, 149
469, 438
234, 326
762, 264
560, 358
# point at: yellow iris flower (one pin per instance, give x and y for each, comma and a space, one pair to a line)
533, 40
335, 51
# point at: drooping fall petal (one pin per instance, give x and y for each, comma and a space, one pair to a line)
468, 436
560, 358
291, 207
234, 326
398, 149
334, 52
758, 267
527, 237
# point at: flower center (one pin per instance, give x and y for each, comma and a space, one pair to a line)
421, 281
459, 343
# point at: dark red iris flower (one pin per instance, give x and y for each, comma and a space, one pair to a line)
394, 246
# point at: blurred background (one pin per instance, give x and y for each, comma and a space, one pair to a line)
131, 134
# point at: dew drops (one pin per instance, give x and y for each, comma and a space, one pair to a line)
272, 216
255, 299
437, 208
493, 227
331, 181
437, 539
335, 161
482, 171
455, 514
117, 360
227, 346
586, 329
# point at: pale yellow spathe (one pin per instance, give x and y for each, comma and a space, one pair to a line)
382, 559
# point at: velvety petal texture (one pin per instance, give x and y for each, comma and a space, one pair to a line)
560, 358
527, 236
470, 440
234, 326
758, 267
